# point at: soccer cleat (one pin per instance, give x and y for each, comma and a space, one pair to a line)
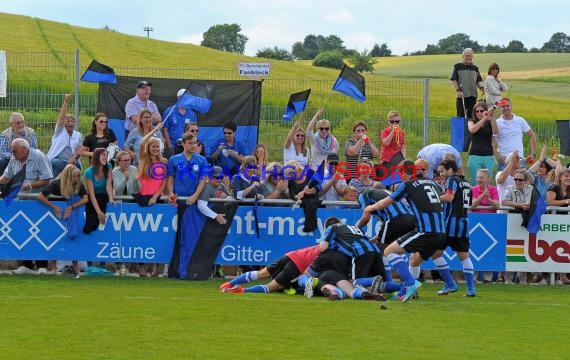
235, 290
447, 290
411, 290
470, 293
395, 297
310, 286
368, 295
225, 286
377, 283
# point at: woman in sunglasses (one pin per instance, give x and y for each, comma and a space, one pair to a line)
494, 85
482, 127
392, 141
323, 142
295, 146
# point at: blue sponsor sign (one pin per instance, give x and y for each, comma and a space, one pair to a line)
30, 230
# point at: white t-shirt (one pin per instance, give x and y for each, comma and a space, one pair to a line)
290, 154
502, 188
510, 136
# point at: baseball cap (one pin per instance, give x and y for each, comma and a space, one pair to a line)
142, 84
217, 172
180, 92
332, 157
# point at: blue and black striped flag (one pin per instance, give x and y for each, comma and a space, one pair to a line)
99, 73
350, 83
296, 104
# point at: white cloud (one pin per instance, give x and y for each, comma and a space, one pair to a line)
343, 17
195, 39
359, 41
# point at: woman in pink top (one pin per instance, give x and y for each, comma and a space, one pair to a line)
152, 175
484, 194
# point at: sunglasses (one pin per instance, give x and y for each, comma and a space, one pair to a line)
480, 111
394, 121
324, 128
333, 163
517, 179
299, 135
125, 160
228, 132
195, 131
102, 121
360, 130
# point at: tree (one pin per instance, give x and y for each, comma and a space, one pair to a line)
490, 48
515, 46
454, 44
225, 37
312, 45
363, 62
330, 43
380, 51
275, 53
559, 43
330, 59
298, 51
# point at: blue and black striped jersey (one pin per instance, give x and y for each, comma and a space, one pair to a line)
349, 240
455, 212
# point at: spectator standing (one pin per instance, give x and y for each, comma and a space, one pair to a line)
190, 128
69, 186
175, 118
144, 127
295, 146
228, 153
483, 127
261, 158
504, 178
466, 79
186, 172
511, 131
99, 184
139, 102
101, 136
494, 85
392, 141
357, 148
66, 141
323, 142
17, 129
152, 182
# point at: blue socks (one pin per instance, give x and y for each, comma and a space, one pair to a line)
244, 278
443, 269
399, 263
263, 289
468, 271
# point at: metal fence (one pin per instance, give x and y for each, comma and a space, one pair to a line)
37, 82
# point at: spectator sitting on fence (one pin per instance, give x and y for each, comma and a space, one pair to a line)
175, 118
144, 128
358, 148
295, 146
69, 186
363, 180
482, 128
246, 184
17, 130
99, 184
66, 141
190, 128
101, 136
323, 142
273, 184
435, 153
125, 180
333, 186
139, 102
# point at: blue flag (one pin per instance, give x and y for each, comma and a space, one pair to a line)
350, 83
99, 73
460, 136
296, 104
197, 97
12, 193
318, 177
535, 211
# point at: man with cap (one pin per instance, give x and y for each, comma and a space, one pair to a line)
334, 184
214, 188
137, 103
175, 119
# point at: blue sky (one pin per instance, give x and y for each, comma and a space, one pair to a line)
405, 25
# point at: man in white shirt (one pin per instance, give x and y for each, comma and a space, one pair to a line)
511, 131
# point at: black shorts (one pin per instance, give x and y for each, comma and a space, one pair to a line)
283, 271
458, 244
424, 243
368, 265
397, 227
331, 260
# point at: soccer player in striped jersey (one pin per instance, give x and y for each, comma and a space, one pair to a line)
282, 271
398, 220
457, 200
423, 196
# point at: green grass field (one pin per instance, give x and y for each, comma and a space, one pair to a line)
52, 317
